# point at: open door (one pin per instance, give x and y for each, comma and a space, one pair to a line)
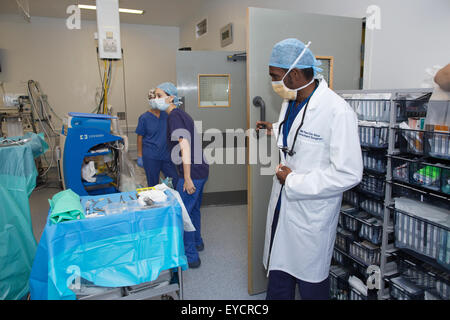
213, 89
330, 36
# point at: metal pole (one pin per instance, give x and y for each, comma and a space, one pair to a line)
180, 282
388, 193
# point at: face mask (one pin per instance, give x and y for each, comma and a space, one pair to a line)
280, 88
291, 94
152, 104
160, 104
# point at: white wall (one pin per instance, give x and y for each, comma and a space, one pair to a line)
413, 33
64, 62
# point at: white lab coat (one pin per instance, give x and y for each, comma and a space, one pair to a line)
327, 162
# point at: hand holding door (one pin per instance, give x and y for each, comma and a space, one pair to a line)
262, 124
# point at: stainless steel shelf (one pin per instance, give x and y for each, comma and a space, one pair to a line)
397, 96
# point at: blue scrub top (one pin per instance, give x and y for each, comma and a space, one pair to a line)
154, 136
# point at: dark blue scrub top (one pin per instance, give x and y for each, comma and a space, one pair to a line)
181, 125
292, 112
154, 140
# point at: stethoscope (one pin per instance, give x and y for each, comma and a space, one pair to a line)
286, 116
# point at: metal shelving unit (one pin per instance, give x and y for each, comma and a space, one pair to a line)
375, 109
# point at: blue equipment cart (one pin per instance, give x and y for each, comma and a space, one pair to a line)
81, 137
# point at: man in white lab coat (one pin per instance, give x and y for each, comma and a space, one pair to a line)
317, 134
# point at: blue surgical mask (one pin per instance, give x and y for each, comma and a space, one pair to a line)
152, 104
159, 104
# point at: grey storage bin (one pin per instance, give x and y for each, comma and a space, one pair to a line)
373, 185
352, 220
403, 289
338, 257
339, 286
350, 223
371, 229
431, 295
356, 295
438, 145
443, 289
351, 197
426, 175
346, 208
365, 252
373, 207
417, 234
411, 141
374, 161
341, 220
445, 184
444, 248
371, 109
435, 281
343, 239
416, 274
374, 136
400, 168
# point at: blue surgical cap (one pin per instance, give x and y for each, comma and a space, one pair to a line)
285, 52
170, 89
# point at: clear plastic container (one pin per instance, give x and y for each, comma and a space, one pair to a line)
133, 206
115, 208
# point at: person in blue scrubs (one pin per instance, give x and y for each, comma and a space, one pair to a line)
192, 169
153, 152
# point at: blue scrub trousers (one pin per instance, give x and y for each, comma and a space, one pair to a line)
192, 202
154, 167
282, 287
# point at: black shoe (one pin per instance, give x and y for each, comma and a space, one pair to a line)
195, 264
200, 247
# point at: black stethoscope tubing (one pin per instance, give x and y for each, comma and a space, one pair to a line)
292, 152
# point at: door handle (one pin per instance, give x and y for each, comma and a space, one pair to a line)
258, 102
